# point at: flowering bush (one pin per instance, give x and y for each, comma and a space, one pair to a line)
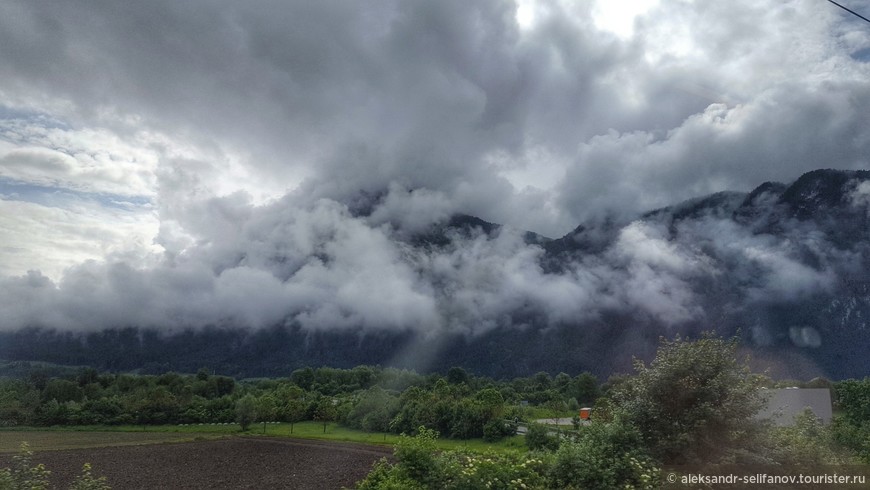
604, 455
23, 475
419, 466
468, 470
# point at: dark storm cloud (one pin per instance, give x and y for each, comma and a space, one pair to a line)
426, 109
355, 96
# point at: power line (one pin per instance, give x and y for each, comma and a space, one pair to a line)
856, 14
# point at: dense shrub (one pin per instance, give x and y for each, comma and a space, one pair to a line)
416, 455
497, 429
808, 442
468, 470
854, 437
851, 428
385, 476
245, 411
374, 411
539, 437
419, 466
696, 402
604, 455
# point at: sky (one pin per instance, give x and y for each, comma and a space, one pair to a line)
158, 156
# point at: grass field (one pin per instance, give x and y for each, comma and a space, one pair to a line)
334, 432
42, 440
105, 436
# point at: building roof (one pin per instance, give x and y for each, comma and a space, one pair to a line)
786, 403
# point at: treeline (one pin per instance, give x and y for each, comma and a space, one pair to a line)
457, 404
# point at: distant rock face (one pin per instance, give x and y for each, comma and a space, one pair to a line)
458, 226
786, 267
821, 190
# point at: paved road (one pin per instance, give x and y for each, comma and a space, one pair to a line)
522, 429
556, 422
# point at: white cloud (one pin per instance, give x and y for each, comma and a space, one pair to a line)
51, 238
861, 195
619, 17
412, 211
88, 160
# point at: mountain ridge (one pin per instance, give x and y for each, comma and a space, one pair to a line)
786, 267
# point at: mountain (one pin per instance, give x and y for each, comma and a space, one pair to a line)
786, 267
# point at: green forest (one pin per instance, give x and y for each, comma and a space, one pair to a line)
693, 405
457, 404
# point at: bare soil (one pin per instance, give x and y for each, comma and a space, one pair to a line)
231, 463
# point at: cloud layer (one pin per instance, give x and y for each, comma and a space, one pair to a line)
316, 265
184, 164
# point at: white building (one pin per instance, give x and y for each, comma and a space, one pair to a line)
783, 404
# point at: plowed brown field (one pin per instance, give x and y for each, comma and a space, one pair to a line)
231, 463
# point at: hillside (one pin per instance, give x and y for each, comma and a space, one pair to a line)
785, 266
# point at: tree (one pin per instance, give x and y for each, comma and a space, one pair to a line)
694, 403
324, 411
573, 405
584, 387
374, 410
492, 402
464, 418
62, 390
417, 454
246, 407
806, 443
303, 378
542, 381
853, 400
457, 375
538, 437
18, 402
264, 410
86, 376
561, 382
852, 426
363, 376
496, 429
223, 385
157, 406
293, 410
